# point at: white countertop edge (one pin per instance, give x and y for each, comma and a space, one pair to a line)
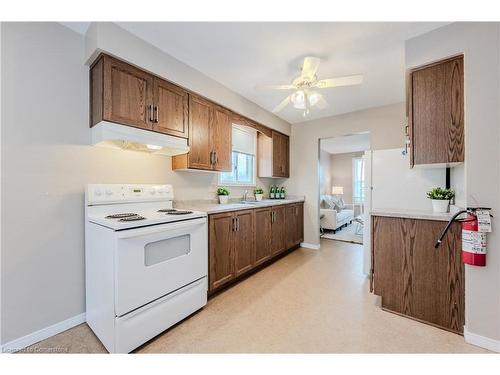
212, 208
412, 214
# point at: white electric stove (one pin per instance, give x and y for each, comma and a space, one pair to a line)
146, 263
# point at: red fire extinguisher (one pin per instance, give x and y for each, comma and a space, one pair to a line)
473, 241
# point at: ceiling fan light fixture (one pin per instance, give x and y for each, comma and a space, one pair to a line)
298, 99
313, 98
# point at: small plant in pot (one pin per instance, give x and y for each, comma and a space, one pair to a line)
440, 199
223, 194
259, 193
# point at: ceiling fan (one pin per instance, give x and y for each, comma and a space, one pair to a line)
305, 95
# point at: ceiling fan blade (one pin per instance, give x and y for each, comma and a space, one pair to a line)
275, 87
282, 105
309, 68
322, 103
340, 81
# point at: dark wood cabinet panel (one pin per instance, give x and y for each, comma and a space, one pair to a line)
436, 113
200, 118
240, 241
299, 224
262, 235
222, 140
415, 279
273, 155
221, 249
170, 109
244, 241
278, 229
127, 94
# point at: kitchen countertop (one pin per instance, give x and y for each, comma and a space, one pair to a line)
211, 207
412, 214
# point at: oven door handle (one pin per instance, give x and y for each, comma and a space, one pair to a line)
160, 228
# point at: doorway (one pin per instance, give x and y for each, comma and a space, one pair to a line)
345, 188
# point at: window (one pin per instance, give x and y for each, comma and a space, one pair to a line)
243, 158
358, 180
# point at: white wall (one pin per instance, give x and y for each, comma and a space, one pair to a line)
341, 172
385, 125
325, 185
109, 37
480, 44
47, 161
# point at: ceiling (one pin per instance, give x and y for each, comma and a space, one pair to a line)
345, 144
244, 55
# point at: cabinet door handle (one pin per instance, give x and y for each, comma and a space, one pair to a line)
233, 225
157, 114
237, 224
211, 157
216, 158
151, 116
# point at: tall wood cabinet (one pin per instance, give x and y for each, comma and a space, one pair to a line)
415, 279
435, 104
122, 93
210, 137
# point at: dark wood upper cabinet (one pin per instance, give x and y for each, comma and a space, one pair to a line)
436, 113
221, 140
127, 95
200, 145
274, 155
170, 109
210, 138
121, 93
415, 279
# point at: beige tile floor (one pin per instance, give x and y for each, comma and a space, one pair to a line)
309, 301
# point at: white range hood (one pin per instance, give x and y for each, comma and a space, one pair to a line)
124, 137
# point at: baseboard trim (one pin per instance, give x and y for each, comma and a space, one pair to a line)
44, 333
309, 245
481, 341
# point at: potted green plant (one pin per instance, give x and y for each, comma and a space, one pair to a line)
440, 198
223, 194
259, 193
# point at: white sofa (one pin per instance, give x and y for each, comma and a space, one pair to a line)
332, 217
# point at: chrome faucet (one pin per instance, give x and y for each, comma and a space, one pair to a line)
245, 194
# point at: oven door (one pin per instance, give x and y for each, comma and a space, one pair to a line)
154, 261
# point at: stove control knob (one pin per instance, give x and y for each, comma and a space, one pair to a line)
109, 192
98, 192
152, 191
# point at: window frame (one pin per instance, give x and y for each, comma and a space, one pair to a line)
220, 182
356, 199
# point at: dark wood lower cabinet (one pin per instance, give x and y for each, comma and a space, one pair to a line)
221, 249
262, 235
415, 279
244, 241
240, 241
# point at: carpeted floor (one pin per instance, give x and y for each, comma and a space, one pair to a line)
346, 234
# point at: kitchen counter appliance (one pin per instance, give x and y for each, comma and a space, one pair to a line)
146, 263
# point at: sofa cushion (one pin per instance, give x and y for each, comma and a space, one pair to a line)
344, 215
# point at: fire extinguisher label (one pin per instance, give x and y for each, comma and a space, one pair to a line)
474, 242
483, 221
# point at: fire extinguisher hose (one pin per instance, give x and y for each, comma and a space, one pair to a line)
445, 230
